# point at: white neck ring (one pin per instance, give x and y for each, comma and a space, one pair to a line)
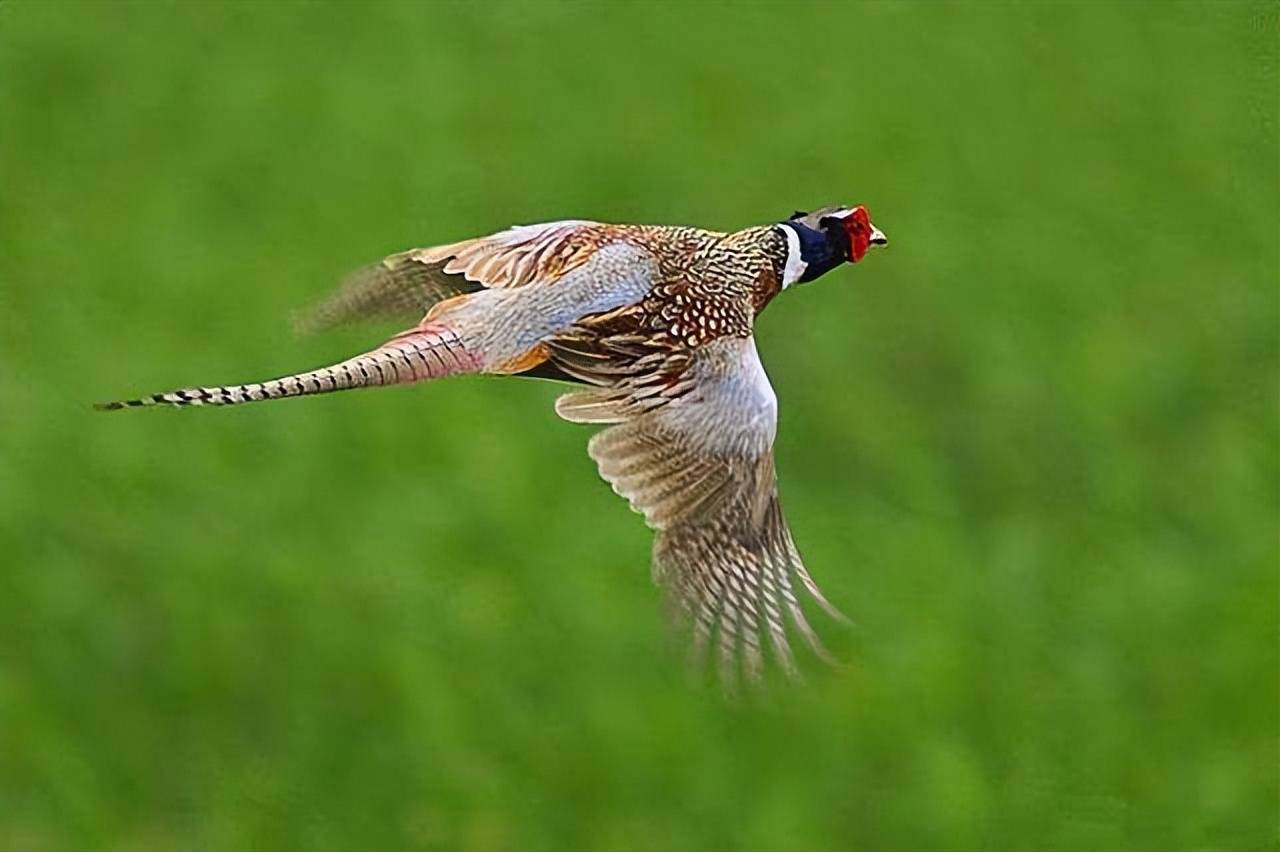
795, 266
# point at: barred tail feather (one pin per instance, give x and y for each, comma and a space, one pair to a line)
427, 352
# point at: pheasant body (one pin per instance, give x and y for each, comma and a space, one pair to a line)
657, 322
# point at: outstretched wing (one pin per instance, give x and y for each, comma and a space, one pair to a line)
692, 449
411, 282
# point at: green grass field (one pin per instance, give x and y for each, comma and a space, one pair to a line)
1032, 448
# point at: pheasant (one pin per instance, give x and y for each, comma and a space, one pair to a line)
654, 323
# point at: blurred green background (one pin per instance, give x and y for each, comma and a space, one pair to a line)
1032, 449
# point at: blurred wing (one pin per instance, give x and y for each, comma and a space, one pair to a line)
401, 286
692, 451
412, 282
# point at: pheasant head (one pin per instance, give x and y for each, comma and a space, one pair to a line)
820, 241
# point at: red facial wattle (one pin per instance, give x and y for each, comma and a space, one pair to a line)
858, 225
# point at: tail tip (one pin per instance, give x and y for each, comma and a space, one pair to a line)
116, 405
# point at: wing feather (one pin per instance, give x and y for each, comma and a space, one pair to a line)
412, 282
699, 467
524, 253
397, 287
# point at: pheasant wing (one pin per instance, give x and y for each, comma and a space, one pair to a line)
401, 287
691, 449
413, 281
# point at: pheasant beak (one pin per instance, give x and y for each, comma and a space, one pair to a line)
877, 237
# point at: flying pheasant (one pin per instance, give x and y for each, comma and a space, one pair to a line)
656, 322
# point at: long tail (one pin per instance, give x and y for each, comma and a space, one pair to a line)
426, 352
